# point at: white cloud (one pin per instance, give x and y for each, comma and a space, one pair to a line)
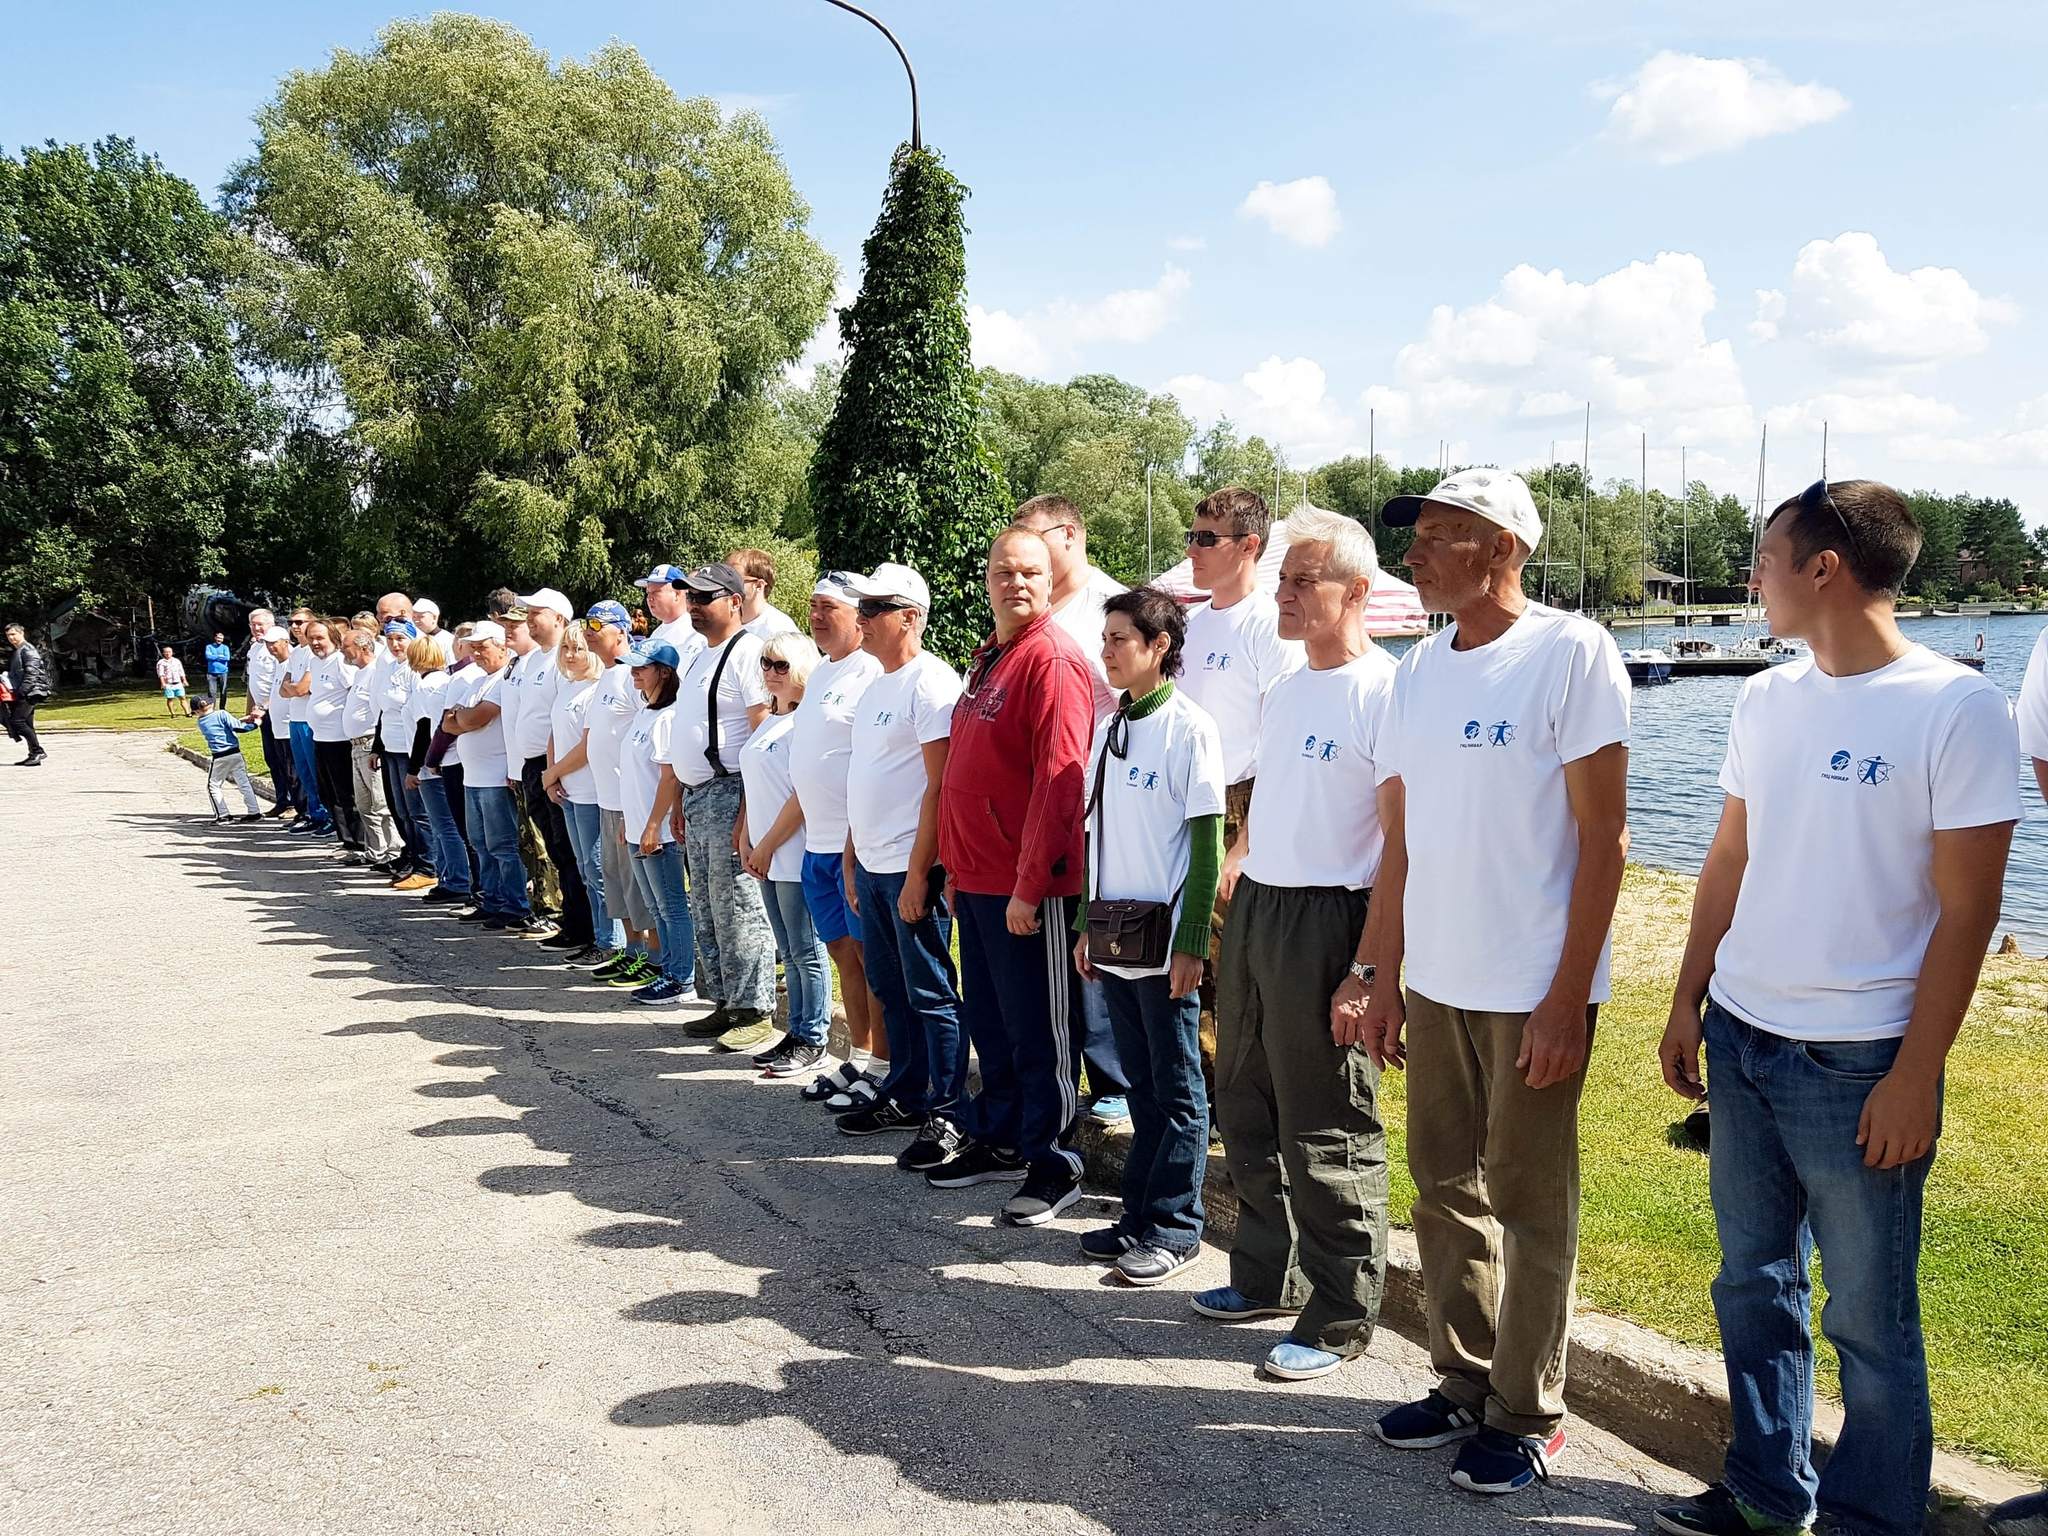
765, 103
1051, 336
824, 345
1770, 311
2022, 442
1303, 211
1284, 400
1847, 297
1878, 412
1679, 106
1187, 243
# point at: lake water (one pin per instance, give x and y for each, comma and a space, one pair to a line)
1679, 732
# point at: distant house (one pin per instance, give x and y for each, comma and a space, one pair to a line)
1663, 587
1971, 569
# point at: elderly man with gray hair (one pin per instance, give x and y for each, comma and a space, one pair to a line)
1298, 1107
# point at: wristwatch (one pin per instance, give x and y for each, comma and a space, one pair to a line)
1363, 972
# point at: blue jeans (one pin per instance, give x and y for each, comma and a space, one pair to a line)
308, 774
1014, 1000
583, 833
910, 968
803, 961
667, 892
451, 852
1092, 1043
1159, 1038
1787, 1175
407, 810
494, 823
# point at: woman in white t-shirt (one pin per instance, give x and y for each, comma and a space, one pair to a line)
326, 705
454, 867
769, 836
650, 793
569, 781
1155, 834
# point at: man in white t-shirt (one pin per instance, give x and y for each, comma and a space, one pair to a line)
260, 681
1503, 791
491, 820
721, 698
668, 611
894, 883
291, 717
1298, 1108
758, 616
2033, 712
537, 681
820, 750
1078, 592
609, 717
1838, 929
1233, 657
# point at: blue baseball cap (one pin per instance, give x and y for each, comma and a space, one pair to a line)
609, 612
660, 575
653, 653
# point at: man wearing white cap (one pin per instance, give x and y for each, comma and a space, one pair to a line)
260, 680
668, 611
426, 616
1503, 794
492, 822
536, 680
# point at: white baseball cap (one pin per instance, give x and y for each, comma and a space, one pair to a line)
1501, 498
838, 586
550, 599
892, 580
272, 635
427, 605
486, 630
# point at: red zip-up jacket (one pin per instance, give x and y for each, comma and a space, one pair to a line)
1010, 803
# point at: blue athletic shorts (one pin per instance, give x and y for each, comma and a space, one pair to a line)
825, 895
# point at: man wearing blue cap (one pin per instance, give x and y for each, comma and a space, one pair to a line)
668, 611
607, 720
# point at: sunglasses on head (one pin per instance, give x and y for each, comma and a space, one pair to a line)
594, 625
779, 668
1816, 495
1209, 538
875, 607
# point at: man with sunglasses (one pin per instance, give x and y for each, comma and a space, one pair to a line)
1838, 928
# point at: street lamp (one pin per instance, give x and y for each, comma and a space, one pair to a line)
916, 138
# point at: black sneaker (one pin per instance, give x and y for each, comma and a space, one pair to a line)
500, 922
1105, 1245
565, 941
885, 1116
478, 915
589, 956
979, 1164
939, 1143
441, 896
1049, 1188
1714, 1512
1494, 1461
532, 926
1419, 1426
793, 1058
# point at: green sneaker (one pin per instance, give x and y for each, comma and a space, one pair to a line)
712, 1025
636, 973
751, 1029
619, 961
1716, 1512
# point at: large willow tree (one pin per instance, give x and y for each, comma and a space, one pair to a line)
544, 301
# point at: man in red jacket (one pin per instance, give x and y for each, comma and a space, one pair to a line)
1010, 841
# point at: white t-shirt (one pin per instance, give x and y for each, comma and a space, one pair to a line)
1080, 616
901, 713
679, 633
764, 771
608, 716
483, 750
263, 681
568, 717
289, 711
535, 681
768, 623
429, 698
462, 687
171, 672
1229, 663
641, 754
1480, 739
821, 744
1314, 821
1846, 780
329, 699
740, 687
2033, 705
1170, 773
394, 703
359, 714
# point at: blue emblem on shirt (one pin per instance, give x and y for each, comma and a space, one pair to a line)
1873, 770
1471, 730
1500, 733
1839, 761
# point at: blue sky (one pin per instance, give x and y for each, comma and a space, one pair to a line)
1465, 217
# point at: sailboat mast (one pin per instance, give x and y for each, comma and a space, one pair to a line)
1549, 516
1585, 493
1685, 505
1643, 519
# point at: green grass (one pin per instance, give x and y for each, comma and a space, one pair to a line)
1647, 1247
138, 706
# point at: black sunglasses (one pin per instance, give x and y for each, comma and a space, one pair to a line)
779, 668
1816, 495
702, 598
1209, 538
875, 607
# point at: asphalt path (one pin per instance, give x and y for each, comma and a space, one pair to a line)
327, 1215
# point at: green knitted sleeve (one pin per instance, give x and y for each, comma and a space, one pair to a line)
1198, 896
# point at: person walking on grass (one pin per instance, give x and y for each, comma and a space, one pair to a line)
28, 678
217, 658
170, 676
218, 728
1503, 795
1297, 1101
1838, 929
1154, 824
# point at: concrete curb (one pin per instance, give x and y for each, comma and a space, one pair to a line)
1665, 1398
264, 789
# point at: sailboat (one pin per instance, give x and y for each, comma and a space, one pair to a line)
1693, 656
1644, 662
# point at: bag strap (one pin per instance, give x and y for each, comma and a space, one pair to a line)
718, 768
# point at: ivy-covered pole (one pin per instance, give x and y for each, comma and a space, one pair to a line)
901, 471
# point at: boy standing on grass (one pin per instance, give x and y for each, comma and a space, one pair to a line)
1838, 929
220, 730
170, 672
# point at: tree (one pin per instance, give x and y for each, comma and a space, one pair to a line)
126, 431
543, 303
902, 471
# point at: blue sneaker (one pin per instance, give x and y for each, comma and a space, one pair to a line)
2026, 1515
1110, 1109
663, 991
1291, 1361
1494, 1461
1421, 1426
1231, 1305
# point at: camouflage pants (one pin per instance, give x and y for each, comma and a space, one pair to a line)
735, 945
1237, 804
533, 853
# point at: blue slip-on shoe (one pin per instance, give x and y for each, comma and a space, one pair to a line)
2026, 1515
1494, 1461
1291, 1361
1230, 1305
1431, 1421
1110, 1109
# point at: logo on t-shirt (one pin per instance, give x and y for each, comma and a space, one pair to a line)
1873, 770
884, 716
1216, 661
1142, 778
1325, 749
1472, 730
1839, 761
989, 702
1500, 733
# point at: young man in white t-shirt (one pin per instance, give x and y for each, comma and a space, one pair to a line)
1838, 929
668, 611
2033, 713
758, 616
538, 681
722, 691
1298, 1108
1504, 789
